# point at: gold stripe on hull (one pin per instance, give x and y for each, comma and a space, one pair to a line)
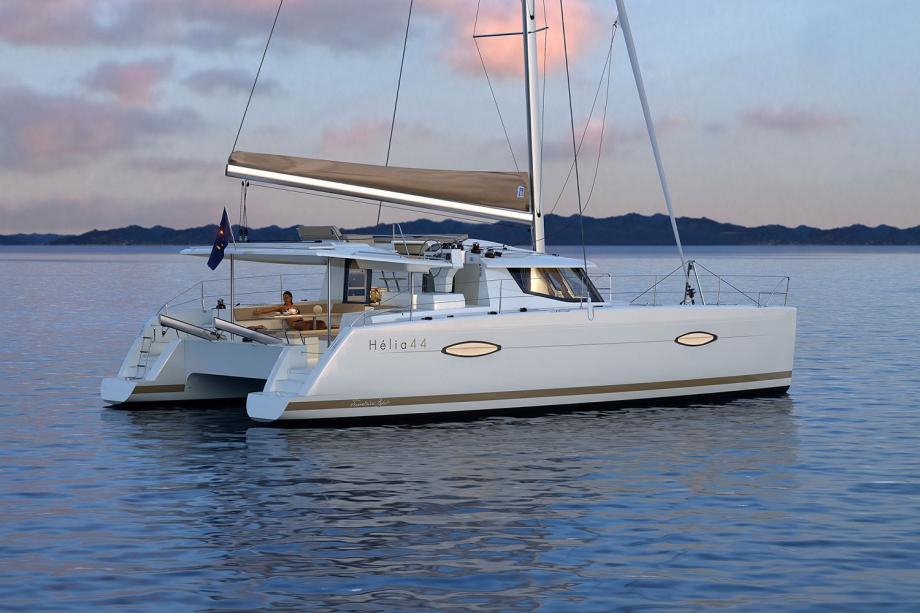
530, 394
158, 389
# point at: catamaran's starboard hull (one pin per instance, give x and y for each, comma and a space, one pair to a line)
541, 359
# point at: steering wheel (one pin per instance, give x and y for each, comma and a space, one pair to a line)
428, 245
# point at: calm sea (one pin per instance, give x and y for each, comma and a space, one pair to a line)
806, 502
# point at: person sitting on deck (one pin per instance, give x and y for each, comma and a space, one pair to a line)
287, 307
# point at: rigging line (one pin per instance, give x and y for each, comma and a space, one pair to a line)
258, 72
242, 190
597, 92
600, 146
491, 90
597, 161
246, 210
244, 218
402, 63
568, 81
501, 34
600, 142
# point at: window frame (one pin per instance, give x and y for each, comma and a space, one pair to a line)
522, 277
368, 274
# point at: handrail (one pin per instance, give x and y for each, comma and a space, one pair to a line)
701, 275
720, 289
184, 326
253, 335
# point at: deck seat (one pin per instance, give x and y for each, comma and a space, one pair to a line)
246, 313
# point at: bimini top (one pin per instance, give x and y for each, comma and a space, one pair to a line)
492, 195
315, 254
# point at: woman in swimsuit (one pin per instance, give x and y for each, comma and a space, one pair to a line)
287, 308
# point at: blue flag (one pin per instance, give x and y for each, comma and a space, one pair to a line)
224, 236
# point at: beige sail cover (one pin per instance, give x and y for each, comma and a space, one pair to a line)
502, 190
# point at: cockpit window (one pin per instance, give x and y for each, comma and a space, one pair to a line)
567, 284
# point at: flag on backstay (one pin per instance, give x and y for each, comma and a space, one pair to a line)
223, 238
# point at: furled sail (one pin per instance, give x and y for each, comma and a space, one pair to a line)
494, 195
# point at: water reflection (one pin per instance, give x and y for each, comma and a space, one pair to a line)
798, 502
414, 515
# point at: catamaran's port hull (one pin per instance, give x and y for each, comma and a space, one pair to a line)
191, 369
194, 387
542, 359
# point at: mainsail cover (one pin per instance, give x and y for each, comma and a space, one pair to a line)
498, 195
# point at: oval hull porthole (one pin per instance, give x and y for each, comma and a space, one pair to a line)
695, 339
471, 349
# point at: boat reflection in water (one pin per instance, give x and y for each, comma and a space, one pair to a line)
394, 512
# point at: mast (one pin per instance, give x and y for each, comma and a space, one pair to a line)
534, 136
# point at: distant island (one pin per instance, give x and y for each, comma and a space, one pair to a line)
630, 229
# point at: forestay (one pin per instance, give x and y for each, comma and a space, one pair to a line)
493, 195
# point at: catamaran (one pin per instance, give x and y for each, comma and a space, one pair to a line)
400, 325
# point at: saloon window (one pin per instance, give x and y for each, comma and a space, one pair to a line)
567, 284
357, 283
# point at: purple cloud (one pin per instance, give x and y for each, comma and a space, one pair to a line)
795, 121
220, 80
40, 131
203, 24
164, 165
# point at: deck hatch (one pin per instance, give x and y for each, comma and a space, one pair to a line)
471, 349
696, 339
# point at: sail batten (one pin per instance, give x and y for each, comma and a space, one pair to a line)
488, 194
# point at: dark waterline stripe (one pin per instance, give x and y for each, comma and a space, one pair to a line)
542, 393
159, 389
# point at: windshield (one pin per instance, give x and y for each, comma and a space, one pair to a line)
568, 284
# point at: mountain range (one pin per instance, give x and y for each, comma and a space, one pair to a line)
630, 229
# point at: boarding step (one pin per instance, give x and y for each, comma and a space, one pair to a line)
288, 385
154, 350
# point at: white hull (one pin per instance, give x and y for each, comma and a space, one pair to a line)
439, 323
546, 358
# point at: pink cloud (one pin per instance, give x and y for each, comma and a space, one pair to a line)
364, 133
361, 133
39, 131
672, 122
133, 84
795, 121
504, 55
61, 22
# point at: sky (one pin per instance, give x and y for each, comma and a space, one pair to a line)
117, 112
